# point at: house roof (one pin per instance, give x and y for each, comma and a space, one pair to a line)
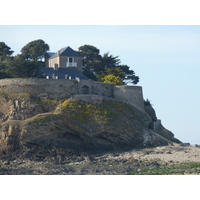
66, 51
61, 72
50, 53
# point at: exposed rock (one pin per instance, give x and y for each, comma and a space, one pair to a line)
157, 126
160, 129
151, 112
22, 106
185, 144
6, 162
78, 125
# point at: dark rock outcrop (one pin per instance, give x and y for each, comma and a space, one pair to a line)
151, 112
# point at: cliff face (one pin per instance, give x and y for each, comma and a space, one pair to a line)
27, 121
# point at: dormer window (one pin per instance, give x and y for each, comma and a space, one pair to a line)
70, 62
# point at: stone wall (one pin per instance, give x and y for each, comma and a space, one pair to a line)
97, 88
130, 94
64, 88
90, 98
34, 86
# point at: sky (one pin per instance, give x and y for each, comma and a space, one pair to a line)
165, 57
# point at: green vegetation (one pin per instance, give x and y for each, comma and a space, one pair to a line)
96, 67
113, 75
19, 95
15, 96
44, 117
110, 78
17, 67
34, 50
82, 112
24, 65
4, 52
76, 112
183, 168
3, 94
147, 102
50, 102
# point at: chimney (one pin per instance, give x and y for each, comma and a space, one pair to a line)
58, 53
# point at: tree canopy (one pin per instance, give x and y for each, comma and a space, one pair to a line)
20, 68
91, 60
97, 67
4, 51
34, 50
24, 65
115, 72
110, 78
105, 68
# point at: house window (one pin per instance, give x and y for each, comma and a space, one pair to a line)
70, 62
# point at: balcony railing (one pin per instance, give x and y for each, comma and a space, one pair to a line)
71, 64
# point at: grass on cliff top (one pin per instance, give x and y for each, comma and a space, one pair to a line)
43, 117
19, 95
82, 112
180, 169
15, 96
50, 102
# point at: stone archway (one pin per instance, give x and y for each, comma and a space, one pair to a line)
85, 90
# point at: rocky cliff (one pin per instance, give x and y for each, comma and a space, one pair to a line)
26, 121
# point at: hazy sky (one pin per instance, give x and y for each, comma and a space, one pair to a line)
166, 58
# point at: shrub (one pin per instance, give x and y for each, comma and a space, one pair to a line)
147, 102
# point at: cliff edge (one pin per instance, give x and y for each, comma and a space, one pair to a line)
26, 121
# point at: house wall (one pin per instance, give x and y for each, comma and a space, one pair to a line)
54, 61
64, 88
79, 63
64, 60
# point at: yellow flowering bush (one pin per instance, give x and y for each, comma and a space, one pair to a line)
82, 111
